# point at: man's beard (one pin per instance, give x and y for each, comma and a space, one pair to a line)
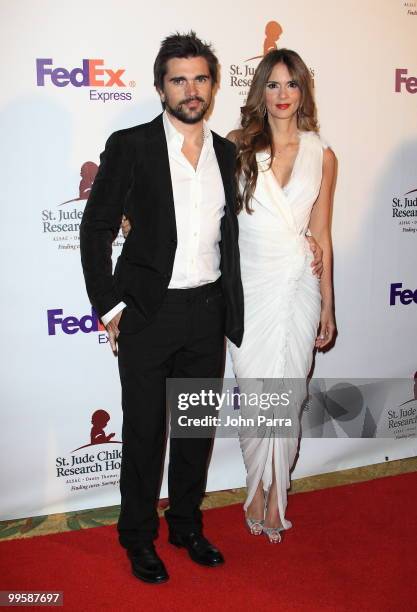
181, 114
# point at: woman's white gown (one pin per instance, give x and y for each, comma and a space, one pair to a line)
282, 303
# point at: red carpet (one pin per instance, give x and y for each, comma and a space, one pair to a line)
351, 548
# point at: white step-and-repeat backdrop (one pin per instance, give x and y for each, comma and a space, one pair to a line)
74, 73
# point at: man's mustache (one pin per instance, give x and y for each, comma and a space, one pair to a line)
192, 99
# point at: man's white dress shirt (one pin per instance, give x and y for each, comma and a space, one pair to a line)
199, 203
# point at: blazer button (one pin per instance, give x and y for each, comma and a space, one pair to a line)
173, 241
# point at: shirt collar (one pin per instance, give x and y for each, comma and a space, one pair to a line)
174, 136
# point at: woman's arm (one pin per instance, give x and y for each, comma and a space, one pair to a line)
320, 222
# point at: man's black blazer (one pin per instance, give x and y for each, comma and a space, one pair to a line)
134, 179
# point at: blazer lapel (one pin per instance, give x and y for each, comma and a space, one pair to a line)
225, 171
157, 157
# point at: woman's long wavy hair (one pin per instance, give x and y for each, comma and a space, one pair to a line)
255, 133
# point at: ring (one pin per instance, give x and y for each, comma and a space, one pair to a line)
321, 337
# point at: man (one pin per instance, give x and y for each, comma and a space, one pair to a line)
175, 293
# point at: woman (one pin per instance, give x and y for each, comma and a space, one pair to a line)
286, 177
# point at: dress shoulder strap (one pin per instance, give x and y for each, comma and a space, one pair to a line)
324, 142
317, 139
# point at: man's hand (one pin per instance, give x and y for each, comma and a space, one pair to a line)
113, 331
317, 263
125, 227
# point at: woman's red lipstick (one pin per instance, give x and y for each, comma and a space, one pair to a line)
282, 106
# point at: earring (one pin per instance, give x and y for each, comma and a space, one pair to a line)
262, 110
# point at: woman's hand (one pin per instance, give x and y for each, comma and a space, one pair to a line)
327, 328
125, 227
317, 263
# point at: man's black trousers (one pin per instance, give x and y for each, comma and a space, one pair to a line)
184, 340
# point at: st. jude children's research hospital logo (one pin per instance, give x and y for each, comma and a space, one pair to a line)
63, 223
89, 467
92, 73
241, 74
411, 8
404, 210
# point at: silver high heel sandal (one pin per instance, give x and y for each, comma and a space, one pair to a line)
273, 534
256, 526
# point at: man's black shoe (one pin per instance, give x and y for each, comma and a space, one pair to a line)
146, 565
199, 549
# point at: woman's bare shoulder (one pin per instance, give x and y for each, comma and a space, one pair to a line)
329, 157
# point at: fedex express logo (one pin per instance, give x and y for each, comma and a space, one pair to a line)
409, 82
70, 325
405, 296
92, 73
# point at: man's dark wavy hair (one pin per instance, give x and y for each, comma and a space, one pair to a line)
183, 45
